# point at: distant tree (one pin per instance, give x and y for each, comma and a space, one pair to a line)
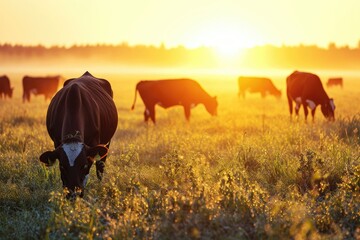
332, 46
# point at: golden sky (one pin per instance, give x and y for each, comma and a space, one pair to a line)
227, 24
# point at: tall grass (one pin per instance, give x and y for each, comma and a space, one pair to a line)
249, 173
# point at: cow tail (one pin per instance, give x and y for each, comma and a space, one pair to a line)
133, 106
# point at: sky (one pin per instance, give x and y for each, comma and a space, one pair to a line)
227, 24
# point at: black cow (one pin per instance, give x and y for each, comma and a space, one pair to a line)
263, 86
167, 93
81, 120
40, 85
5, 89
306, 89
334, 82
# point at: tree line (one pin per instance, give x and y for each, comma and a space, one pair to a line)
267, 56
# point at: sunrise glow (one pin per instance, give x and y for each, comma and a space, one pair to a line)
229, 25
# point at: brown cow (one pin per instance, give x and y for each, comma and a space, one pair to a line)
46, 86
167, 93
5, 89
263, 86
306, 89
81, 120
334, 82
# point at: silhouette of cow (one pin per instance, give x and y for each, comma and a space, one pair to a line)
334, 82
46, 86
260, 85
306, 89
81, 120
171, 92
5, 89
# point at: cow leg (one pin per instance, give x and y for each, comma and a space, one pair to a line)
290, 102
263, 94
146, 115
27, 97
152, 113
313, 114
100, 165
297, 109
149, 112
306, 112
241, 93
187, 112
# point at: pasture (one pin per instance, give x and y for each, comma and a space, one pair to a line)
249, 173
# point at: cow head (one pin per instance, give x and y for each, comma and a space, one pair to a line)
10, 92
75, 161
211, 106
328, 110
277, 94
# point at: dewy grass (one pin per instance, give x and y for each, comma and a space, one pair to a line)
249, 173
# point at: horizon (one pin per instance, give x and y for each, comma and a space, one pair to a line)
228, 26
165, 46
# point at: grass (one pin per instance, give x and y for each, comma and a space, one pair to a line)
249, 173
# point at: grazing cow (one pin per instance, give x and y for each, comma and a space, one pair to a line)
167, 93
81, 120
334, 82
256, 84
40, 85
5, 88
307, 89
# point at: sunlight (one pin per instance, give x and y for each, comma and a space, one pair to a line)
226, 38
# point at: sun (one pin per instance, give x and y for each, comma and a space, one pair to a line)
227, 38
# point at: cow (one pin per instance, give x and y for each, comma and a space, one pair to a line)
171, 92
306, 89
46, 86
5, 89
81, 120
260, 85
334, 82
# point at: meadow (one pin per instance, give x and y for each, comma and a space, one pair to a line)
248, 173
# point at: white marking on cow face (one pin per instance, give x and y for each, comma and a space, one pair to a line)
86, 180
311, 104
332, 104
72, 151
298, 103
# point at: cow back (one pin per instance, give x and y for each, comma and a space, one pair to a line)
257, 84
83, 105
306, 85
41, 85
172, 92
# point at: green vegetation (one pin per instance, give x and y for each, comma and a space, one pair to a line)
249, 173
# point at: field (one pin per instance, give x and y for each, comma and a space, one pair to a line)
249, 173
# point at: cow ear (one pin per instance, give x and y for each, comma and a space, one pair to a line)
100, 150
49, 157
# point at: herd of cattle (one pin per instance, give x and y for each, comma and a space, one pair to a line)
82, 116
302, 88
46, 86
